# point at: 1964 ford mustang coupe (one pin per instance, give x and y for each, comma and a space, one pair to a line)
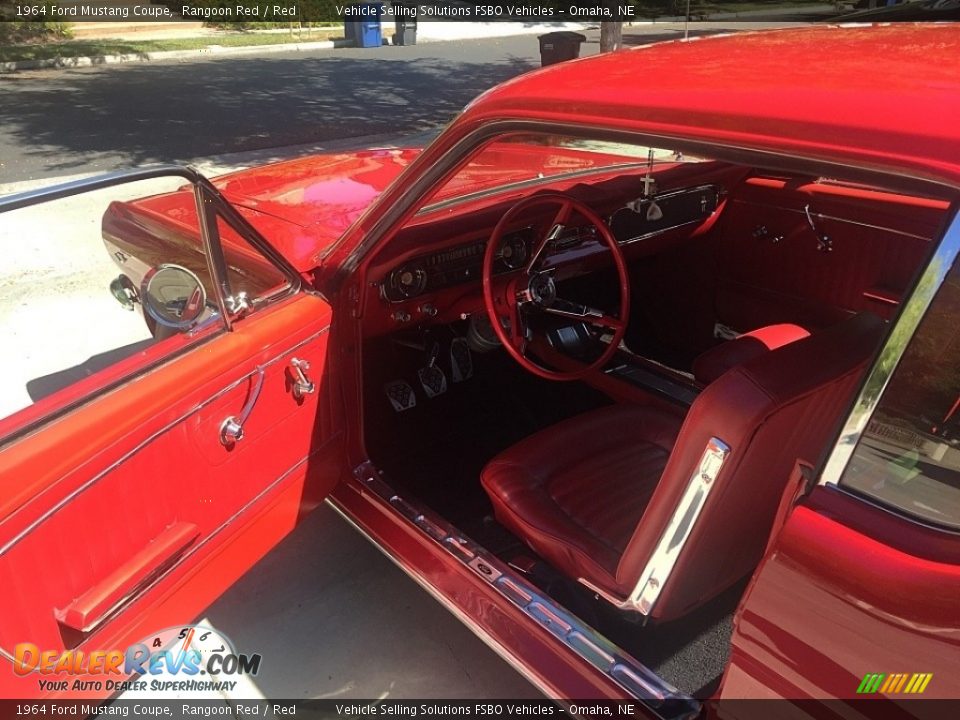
645, 368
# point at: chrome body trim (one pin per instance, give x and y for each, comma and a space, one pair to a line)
63, 502
911, 314
575, 635
657, 571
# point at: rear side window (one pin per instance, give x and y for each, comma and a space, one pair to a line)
909, 456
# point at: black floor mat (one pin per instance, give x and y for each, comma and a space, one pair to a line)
436, 450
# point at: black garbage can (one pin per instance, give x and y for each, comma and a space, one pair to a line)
559, 46
405, 24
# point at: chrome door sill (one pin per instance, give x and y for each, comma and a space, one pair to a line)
590, 646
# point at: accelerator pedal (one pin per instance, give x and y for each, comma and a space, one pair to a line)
461, 360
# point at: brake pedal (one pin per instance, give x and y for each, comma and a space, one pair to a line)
432, 378
461, 360
401, 395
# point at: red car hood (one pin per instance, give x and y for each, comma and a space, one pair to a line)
302, 206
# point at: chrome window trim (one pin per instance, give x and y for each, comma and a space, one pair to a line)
202, 334
575, 635
656, 574
888, 359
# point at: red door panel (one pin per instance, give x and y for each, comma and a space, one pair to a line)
133, 499
837, 599
772, 269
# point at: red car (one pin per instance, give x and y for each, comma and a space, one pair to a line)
634, 369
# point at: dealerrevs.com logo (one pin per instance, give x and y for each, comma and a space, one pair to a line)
179, 659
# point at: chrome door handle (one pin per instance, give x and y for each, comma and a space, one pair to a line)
302, 384
231, 429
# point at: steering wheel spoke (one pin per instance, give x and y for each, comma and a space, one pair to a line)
551, 233
516, 327
584, 313
534, 290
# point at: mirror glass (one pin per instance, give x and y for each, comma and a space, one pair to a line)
174, 296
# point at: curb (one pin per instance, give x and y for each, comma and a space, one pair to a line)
214, 51
211, 51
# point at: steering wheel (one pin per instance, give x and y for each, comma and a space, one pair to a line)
511, 300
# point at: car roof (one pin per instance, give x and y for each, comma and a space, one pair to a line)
883, 97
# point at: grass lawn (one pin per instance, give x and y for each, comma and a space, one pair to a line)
99, 48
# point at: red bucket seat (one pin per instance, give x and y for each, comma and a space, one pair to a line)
659, 515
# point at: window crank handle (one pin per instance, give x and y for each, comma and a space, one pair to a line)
231, 429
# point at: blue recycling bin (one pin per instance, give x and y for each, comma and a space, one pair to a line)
363, 25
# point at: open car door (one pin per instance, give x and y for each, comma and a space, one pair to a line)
857, 597
140, 482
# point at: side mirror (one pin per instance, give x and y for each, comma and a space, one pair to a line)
173, 296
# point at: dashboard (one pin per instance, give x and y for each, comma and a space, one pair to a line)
634, 222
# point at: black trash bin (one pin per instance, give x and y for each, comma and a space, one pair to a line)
405, 24
559, 46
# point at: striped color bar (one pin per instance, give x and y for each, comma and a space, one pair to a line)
894, 683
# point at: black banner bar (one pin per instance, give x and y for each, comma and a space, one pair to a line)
338, 11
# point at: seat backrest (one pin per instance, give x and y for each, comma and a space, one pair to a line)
771, 411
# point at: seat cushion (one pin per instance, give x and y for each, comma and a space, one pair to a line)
576, 490
713, 363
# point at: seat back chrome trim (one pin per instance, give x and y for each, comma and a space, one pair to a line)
593, 648
657, 571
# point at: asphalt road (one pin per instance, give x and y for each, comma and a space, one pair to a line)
65, 122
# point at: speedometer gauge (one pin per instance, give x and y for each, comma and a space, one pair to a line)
409, 280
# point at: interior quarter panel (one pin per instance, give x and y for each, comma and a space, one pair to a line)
114, 478
771, 267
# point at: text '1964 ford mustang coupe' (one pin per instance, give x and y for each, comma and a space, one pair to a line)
644, 369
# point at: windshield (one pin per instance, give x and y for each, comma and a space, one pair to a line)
532, 157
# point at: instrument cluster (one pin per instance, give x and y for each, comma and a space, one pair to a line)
455, 265
636, 221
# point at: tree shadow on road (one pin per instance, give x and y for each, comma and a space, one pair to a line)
149, 113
